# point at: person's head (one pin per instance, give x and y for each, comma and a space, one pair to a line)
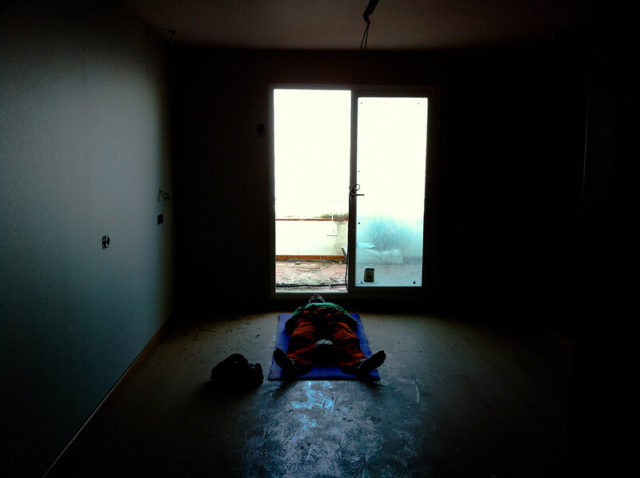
315, 299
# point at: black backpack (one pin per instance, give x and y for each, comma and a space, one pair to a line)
235, 372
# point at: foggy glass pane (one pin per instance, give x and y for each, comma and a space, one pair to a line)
392, 145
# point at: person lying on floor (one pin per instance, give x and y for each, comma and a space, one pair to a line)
321, 333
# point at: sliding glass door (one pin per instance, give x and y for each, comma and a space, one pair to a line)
350, 176
311, 184
390, 171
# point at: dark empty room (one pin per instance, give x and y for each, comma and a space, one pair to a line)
458, 180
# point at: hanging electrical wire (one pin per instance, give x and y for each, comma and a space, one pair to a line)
368, 11
363, 42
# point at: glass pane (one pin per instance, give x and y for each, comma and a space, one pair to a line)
392, 151
311, 174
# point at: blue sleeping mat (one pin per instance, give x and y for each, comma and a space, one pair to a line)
317, 372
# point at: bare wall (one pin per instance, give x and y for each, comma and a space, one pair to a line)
83, 152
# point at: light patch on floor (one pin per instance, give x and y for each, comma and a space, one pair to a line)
315, 429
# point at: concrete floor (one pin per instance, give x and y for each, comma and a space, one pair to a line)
456, 399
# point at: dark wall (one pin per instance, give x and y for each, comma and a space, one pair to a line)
611, 202
510, 169
603, 388
83, 151
507, 175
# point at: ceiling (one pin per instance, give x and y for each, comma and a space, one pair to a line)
338, 24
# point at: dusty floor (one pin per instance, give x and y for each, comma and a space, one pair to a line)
455, 400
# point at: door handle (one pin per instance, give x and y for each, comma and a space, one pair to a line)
354, 191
